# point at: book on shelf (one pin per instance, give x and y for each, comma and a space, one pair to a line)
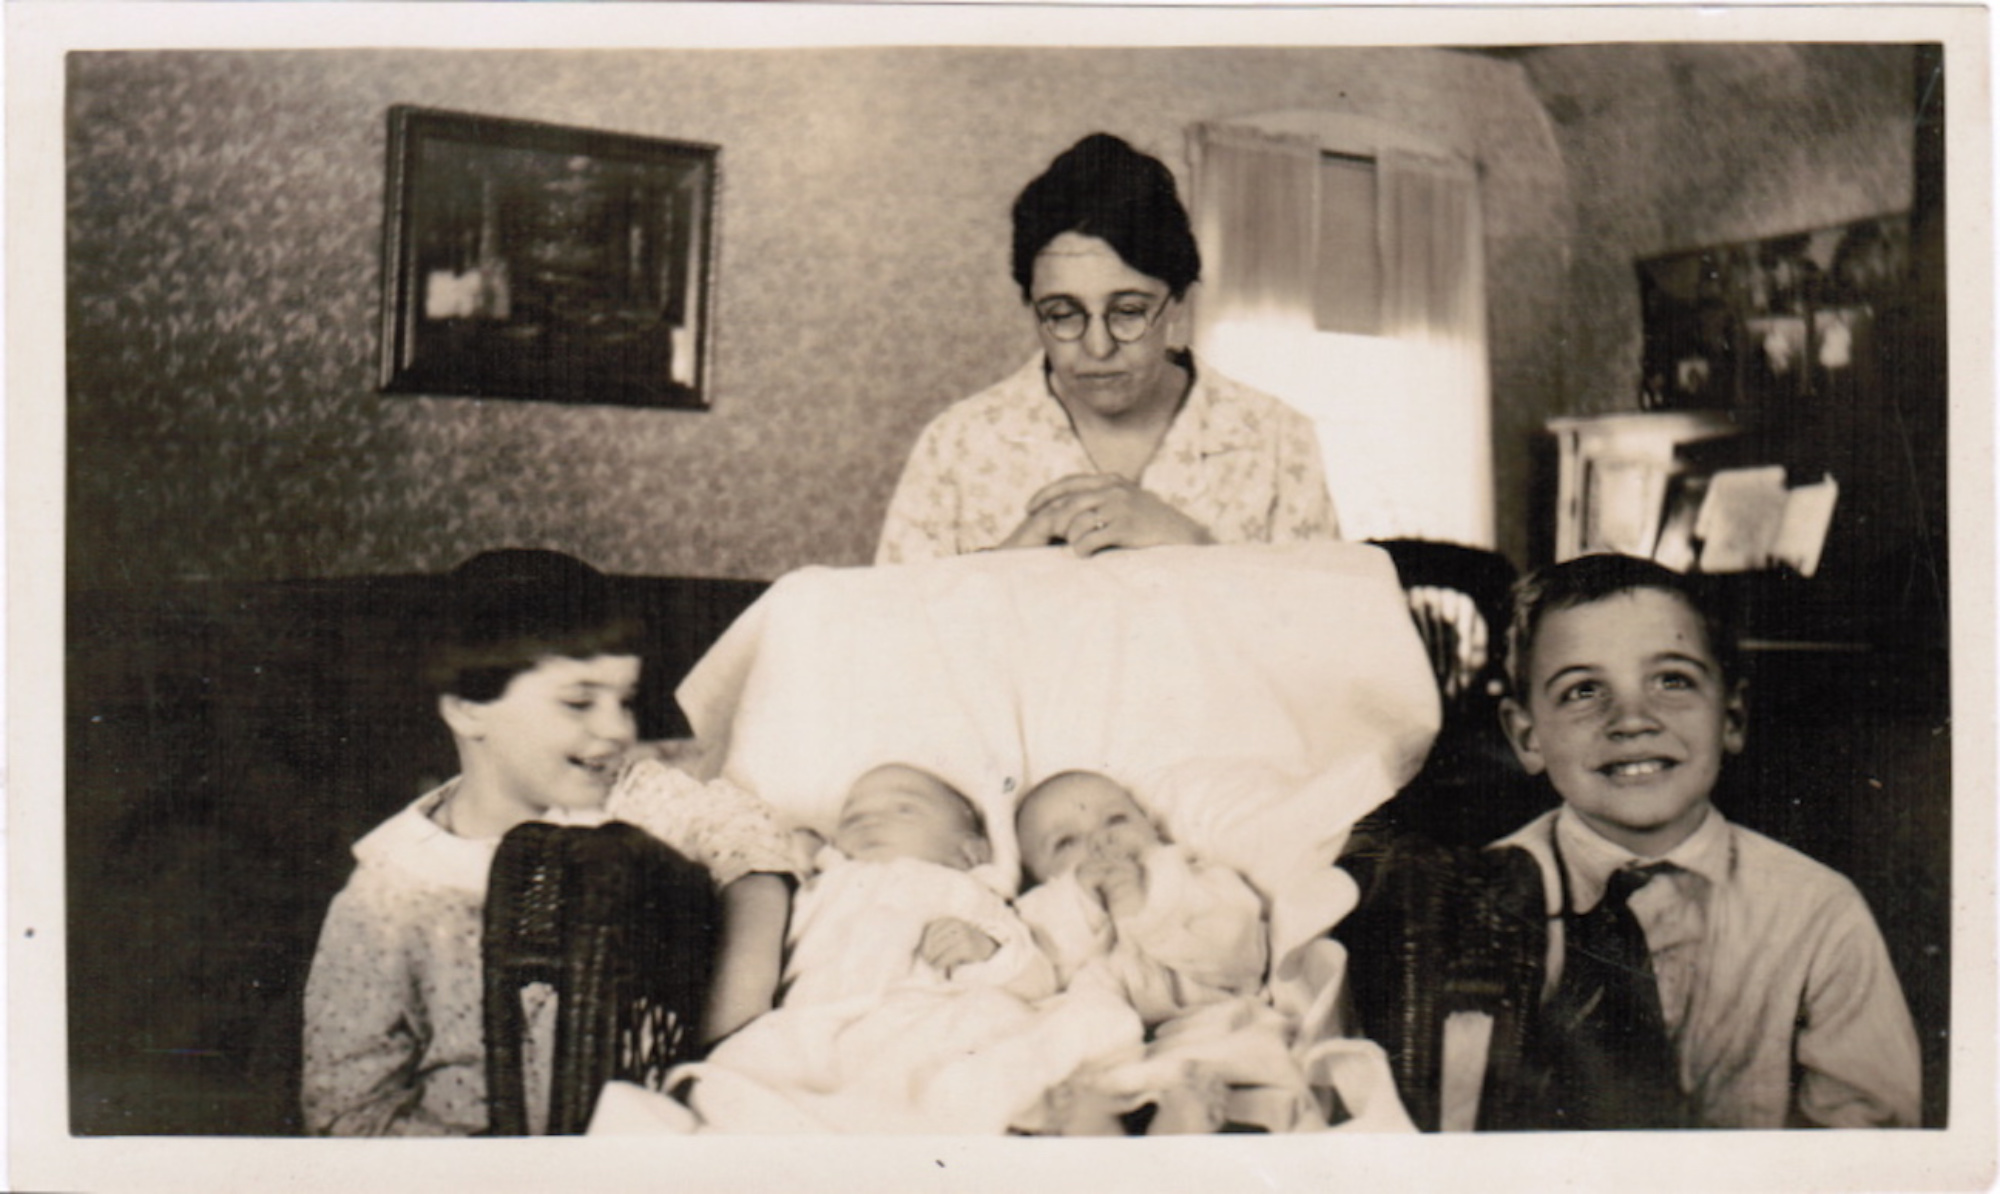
1808, 517
1750, 519
1739, 518
1728, 520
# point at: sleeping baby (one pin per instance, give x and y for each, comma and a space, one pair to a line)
908, 999
1122, 911
898, 900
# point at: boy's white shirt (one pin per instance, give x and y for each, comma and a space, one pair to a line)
1860, 1069
1591, 859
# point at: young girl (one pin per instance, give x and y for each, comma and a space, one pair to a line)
534, 676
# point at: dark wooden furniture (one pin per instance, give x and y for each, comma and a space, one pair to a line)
622, 930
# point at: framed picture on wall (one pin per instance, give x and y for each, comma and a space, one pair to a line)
1771, 326
537, 261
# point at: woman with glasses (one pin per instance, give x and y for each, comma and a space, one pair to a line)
1110, 437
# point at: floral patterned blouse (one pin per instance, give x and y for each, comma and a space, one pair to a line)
1238, 461
394, 1044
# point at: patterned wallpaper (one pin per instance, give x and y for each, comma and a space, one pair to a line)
224, 229
1677, 147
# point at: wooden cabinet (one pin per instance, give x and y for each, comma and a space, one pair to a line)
1612, 474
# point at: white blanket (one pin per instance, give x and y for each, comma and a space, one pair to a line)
1259, 699
870, 1038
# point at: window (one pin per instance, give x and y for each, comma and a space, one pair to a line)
1347, 274
1343, 272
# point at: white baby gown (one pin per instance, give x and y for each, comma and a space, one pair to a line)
868, 1037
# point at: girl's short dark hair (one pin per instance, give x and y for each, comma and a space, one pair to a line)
1103, 187
509, 609
1588, 579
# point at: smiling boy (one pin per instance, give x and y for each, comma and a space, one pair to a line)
1776, 1004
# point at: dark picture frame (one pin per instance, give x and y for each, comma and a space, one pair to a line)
1766, 326
545, 262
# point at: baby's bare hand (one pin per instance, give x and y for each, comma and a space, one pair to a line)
1119, 883
1195, 1105
949, 943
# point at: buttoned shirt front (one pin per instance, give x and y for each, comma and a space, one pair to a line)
1768, 963
1239, 462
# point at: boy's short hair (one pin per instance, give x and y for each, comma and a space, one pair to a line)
1588, 579
508, 609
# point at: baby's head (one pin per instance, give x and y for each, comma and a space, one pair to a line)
1075, 816
534, 671
1625, 692
899, 811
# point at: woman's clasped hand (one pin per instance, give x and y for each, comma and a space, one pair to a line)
1109, 436
1093, 512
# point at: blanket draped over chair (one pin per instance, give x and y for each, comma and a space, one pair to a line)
1258, 699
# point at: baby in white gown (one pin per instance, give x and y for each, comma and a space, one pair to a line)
1180, 940
909, 998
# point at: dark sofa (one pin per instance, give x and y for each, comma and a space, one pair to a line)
226, 743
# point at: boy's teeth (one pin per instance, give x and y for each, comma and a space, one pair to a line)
1642, 767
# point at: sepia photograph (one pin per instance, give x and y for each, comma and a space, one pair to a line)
822, 594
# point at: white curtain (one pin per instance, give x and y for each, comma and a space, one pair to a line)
1427, 228
1434, 298
1256, 214
1404, 417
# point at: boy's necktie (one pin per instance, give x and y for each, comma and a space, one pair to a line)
1616, 1067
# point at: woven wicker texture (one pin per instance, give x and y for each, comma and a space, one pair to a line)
623, 929
1443, 929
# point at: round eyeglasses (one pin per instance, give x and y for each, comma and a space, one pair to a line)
1125, 322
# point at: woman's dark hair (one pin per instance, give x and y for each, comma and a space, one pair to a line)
509, 609
1103, 187
1589, 579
